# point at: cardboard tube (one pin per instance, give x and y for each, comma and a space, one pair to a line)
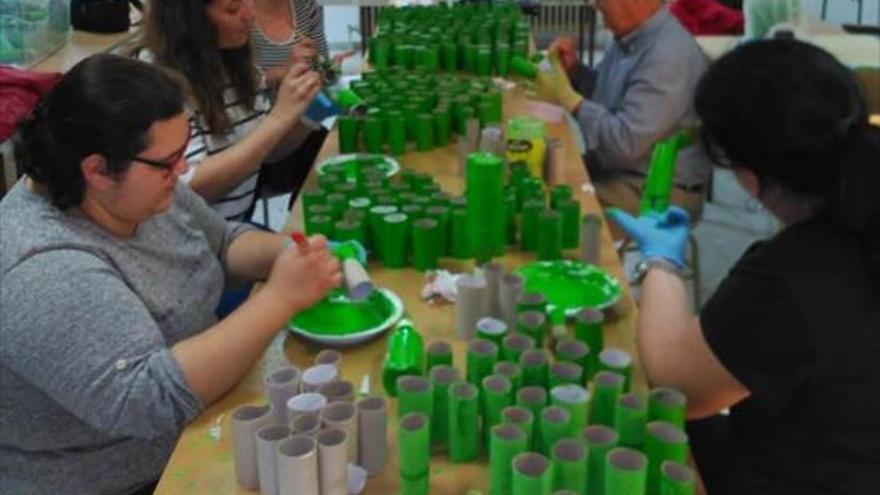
607, 388
569, 457
357, 281
523, 418
663, 442
576, 400
676, 479
296, 460
625, 472
667, 404
599, 440
267, 441
414, 448
574, 351
329, 356
426, 241
305, 403
588, 329
280, 385
510, 289
506, 442
549, 235
485, 206
554, 425
532, 474
535, 366
494, 272
497, 393
562, 373
492, 329
464, 415
305, 424
338, 390
591, 231
529, 232
372, 434
414, 394
512, 371
514, 345
348, 133
439, 352
332, 461
317, 375
442, 376
343, 415
471, 304
395, 232
533, 324
570, 210
618, 361
481, 357
246, 420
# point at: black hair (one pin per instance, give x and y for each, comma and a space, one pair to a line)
104, 105
796, 117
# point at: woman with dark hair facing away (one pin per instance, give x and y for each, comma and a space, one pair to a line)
110, 271
235, 127
791, 339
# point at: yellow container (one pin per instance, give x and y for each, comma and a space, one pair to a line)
525, 143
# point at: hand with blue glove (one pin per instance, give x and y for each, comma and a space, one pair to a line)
349, 249
659, 235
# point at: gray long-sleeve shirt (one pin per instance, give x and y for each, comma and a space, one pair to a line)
644, 90
91, 399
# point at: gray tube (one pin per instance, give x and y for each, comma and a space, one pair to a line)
307, 403
297, 466
471, 304
306, 424
280, 385
332, 461
343, 415
268, 438
338, 390
318, 375
494, 271
372, 434
509, 290
246, 420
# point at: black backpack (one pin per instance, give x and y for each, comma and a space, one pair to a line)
102, 16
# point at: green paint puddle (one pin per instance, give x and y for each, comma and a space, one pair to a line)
338, 315
571, 285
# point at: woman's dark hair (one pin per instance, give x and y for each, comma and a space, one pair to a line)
181, 37
795, 116
104, 105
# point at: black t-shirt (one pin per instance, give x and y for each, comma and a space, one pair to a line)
797, 321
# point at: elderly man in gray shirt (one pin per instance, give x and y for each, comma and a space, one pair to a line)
641, 93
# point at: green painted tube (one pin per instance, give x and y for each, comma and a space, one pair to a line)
576, 400
533, 398
549, 236
424, 132
415, 451
630, 418
588, 329
348, 133
414, 394
573, 351
405, 355
531, 301
442, 376
484, 61
449, 56
439, 352
485, 204
464, 416
496, 394
607, 388
535, 364
599, 440
413, 212
313, 196
395, 232
510, 218
397, 134
558, 193
569, 457
554, 425
492, 329
667, 404
570, 210
563, 373
347, 230
507, 441
677, 479
467, 112
663, 442
625, 472
514, 345
485, 114
661, 174
532, 474
502, 60
321, 224
458, 234
470, 58
338, 202
411, 110
512, 371
523, 418
481, 357
455, 110
426, 237
373, 134
618, 361
531, 209
534, 325
496, 102
376, 214
441, 215
523, 68
430, 58
442, 126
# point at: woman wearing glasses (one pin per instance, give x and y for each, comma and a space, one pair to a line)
791, 339
110, 271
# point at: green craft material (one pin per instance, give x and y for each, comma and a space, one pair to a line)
313, 196
532, 474
360, 203
349, 99
549, 235
430, 58
394, 231
375, 216
534, 325
510, 218
507, 441
380, 53
663, 442
441, 215
317, 210
661, 174
405, 355
599, 440
533, 398
464, 415
459, 247
320, 224
411, 112
523, 68
558, 193
573, 351
497, 393
531, 301
554, 425
466, 113
502, 60
535, 364
570, 211
485, 114
625, 472
481, 357
439, 352
630, 418
469, 63
496, 103
415, 454
492, 329
618, 361
676, 479
569, 457
338, 203
485, 204
442, 126
414, 394
426, 239
588, 329
349, 230
449, 56
607, 388
347, 190
531, 210
412, 211
373, 134
563, 373
424, 132
348, 133
397, 134
512, 371
576, 400
484, 61
442, 376
523, 418
667, 404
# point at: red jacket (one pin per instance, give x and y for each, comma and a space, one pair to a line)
707, 17
19, 92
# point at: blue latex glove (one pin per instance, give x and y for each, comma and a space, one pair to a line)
322, 107
659, 235
357, 247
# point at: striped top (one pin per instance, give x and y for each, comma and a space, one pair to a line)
238, 201
309, 21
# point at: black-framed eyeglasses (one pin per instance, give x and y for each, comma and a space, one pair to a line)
169, 162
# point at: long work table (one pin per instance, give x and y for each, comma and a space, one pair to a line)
202, 462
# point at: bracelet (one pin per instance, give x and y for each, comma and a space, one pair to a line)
646, 265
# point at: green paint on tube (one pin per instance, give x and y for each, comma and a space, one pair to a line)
464, 416
607, 388
661, 176
496, 394
618, 361
531, 210
576, 400
426, 240
485, 204
507, 441
532, 474
677, 479
588, 329
573, 351
663, 442
424, 132
570, 210
415, 393
523, 68
414, 448
395, 232
599, 440
397, 134
458, 234
630, 418
481, 357
554, 425
442, 376
524, 419
373, 134
549, 236
667, 404
442, 126
625, 472
569, 457
405, 355
348, 133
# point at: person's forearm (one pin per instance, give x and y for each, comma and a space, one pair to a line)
251, 255
663, 321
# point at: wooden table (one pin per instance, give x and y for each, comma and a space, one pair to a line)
82, 44
853, 50
202, 461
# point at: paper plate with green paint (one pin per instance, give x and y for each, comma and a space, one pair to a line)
571, 285
339, 320
353, 165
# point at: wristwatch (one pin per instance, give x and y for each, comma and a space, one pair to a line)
646, 265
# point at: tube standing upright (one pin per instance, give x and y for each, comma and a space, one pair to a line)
599, 440
485, 204
532, 474
280, 385
676, 479
569, 458
471, 304
607, 388
630, 418
268, 438
332, 461
415, 452
246, 420
625, 472
464, 415
372, 434
663, 442
507, 441
343, 415
442, 376
297, 464
497, 393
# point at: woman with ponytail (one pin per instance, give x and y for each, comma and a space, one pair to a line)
790, 341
